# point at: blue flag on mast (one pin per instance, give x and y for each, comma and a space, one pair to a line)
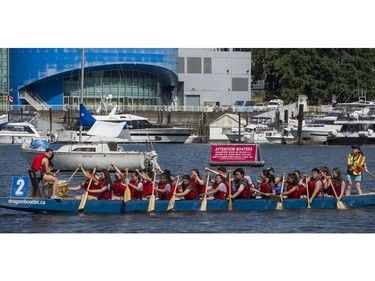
85, 117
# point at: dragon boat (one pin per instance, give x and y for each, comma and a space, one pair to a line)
30, 204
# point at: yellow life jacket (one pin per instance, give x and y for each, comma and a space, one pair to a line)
356, 166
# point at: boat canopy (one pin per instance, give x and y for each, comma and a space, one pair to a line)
106, 129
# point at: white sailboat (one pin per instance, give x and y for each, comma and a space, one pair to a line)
100, 154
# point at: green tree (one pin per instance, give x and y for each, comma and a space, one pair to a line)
320, 74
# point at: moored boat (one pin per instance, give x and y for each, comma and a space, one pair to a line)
118, 206
102, 155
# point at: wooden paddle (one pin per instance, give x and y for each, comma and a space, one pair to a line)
73, 174
279, 205
173, 198
340, 205
308, 196
127, 195
230, 202
204, 200
151, 201
86, 194
272, 196
370, 174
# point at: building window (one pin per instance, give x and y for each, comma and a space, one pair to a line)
207, 65
136, 87
240, 84
194, 65
181, 65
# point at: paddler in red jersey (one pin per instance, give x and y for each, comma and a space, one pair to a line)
189, 190
220, 188
314, 184
41, 165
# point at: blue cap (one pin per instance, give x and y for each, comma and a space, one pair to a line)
356, 147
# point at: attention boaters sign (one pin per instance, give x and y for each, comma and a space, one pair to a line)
238, 154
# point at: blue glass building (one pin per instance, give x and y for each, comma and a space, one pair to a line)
145, 76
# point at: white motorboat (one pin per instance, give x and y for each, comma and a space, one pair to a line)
317, 130
102, 155
253, 134
358, 129
141, 130
278, 138
3, 120
18, 132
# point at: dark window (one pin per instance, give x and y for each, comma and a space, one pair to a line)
240, 84
207, 65
181, 65
194, 65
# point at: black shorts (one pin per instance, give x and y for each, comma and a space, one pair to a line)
39, 175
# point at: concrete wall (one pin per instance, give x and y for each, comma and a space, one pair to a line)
220, 84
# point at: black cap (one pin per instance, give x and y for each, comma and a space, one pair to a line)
356, 147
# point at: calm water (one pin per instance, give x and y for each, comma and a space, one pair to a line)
180, 159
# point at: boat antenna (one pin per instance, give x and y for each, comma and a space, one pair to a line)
81, 96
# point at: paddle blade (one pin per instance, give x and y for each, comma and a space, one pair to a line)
171, 203
279, 206
340, 205
83, 201
127, 195
204, 204
275, 198
230, 204
151, 204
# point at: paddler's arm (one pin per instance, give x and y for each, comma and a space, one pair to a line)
293, 189
238, 192
133, 186
316, 190
117, 170
349, 161
188, 189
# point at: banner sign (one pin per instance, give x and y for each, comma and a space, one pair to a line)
19, 186
238, 153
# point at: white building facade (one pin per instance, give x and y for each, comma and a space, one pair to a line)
213, 77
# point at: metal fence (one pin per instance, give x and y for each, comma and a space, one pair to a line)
167, 108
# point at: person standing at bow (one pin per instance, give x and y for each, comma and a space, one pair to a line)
355, 164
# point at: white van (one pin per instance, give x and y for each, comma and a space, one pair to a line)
275, 104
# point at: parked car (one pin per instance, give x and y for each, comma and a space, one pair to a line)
275, 104
260, 106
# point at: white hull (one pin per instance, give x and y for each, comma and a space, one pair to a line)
18, 133
69, 136
313, 135
67, 158
18, 139
162, 135
251, 138
278, 139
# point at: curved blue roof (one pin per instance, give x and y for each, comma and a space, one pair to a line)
49, 66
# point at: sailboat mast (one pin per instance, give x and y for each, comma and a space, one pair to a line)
81, 96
